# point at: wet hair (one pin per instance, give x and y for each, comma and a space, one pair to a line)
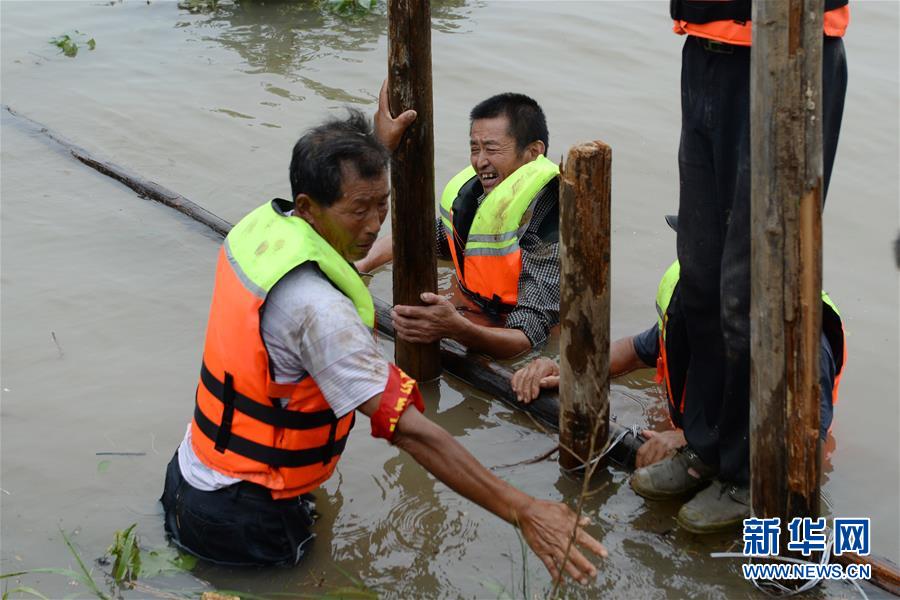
526, 119
319, 156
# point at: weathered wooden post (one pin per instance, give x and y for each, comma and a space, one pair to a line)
786, 226
584, 204
412, 173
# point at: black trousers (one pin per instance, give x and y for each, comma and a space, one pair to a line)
240, 525
714, 239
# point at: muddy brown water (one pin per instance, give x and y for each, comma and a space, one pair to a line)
104, 295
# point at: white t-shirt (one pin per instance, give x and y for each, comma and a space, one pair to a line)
309, 328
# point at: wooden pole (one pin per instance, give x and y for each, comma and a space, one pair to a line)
584, 303
786, 241
412, 173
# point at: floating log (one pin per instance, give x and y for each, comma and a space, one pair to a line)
143, 187
412, 174
786, 258
584, 231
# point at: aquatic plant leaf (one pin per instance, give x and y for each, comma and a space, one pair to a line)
66, 44
127, 563
496, 588
55, 571
350, 8
88, 580
356, 582
165, 561
24, 589
69, 46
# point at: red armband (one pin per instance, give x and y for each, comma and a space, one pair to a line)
400, 391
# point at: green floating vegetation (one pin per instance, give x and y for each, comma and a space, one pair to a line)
130, 567
69, 44
343, 8
350, 8
129, 563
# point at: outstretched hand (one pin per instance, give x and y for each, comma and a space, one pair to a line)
388, 129
548, 528
527, 382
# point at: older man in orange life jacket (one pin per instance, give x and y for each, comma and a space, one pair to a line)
499, 224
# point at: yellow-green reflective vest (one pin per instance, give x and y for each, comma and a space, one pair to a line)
491, 260
266, 245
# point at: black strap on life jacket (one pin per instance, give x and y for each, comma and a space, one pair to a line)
227, 398
234, 401
275, 457
276, 416
706, 11
678, 354
834, 333
465, 205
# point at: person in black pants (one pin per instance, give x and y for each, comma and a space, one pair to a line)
714, 251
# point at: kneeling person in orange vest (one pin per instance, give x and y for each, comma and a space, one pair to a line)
289, 358
664, 347
499, 224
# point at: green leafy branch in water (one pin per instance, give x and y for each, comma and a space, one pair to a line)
349, 8
68, 45
342, 8
84, 577
126, 555
129, 563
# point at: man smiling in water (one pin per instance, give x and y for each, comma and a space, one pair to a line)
499, 224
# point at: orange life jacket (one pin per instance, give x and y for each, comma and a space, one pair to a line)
484, 240
728, 21
240, 427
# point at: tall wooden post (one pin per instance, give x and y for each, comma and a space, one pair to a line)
786, 226
412, 173
584, 302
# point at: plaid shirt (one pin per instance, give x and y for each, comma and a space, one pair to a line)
537, 306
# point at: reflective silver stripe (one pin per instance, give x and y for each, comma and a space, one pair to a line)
512, 248
521, 231
445, 212
493, 237
251, 287
659, 311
